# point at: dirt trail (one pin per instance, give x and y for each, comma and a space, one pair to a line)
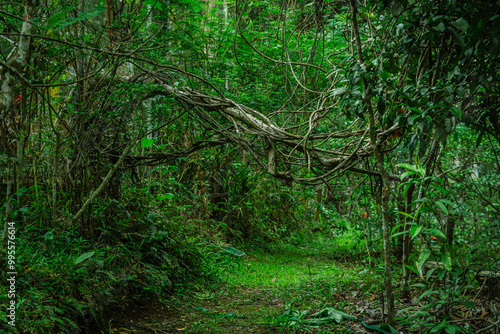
308, 279
239, 312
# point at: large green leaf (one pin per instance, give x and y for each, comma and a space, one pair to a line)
413, 168
325, 316
383, 328
441, 206
146, 142
424, 255
461, 24
416, 230
233, 251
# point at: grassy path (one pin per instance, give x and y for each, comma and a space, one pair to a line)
260, 287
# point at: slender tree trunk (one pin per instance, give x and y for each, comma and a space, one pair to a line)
319, 195
385, 179
9, 74
450, 227
103, 185
19, 167
385, 219
55, 174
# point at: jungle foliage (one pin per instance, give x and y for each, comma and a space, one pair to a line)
138, 138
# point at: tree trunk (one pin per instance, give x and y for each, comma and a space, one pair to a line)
450, 227
14, 67
319, 195
385, 179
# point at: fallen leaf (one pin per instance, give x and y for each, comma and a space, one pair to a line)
274, 279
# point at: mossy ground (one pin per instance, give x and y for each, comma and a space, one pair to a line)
256, 289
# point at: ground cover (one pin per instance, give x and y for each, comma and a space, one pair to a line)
254, 295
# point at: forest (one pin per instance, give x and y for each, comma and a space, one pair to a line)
250, 166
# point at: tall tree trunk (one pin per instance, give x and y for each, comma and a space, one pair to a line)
13, 68
385, 178
450, 227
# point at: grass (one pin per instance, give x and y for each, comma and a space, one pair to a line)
256, 290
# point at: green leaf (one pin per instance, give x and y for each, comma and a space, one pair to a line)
411, 167
429, 273
325, 316
457, 112
338, 91
437, 328
467, 303
372, 327
441, 273
384, 75
446, 201
415, 231
84, 257
436, 232
450, 329
399, 233
440, 27
427, 293
461, 24
441, 189
406, 214
395, 228
383, 328
233, 251
441, 206
21, 191
406, 174
406, 309
446, 260
412, 269
424, 255
146, 142
388, 329
458, 37
166, 196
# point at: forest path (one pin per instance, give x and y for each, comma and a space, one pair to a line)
256, 291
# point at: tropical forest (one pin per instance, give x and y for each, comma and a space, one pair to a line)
249, 166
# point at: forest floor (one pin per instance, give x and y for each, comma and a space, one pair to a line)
264, 292
258, 290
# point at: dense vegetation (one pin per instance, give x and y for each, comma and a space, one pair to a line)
349, 148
